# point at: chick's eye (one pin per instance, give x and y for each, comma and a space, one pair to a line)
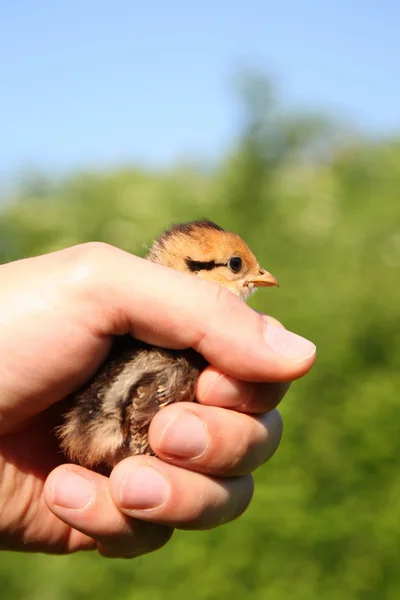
235, 264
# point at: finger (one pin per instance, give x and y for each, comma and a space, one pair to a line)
217, 389
214, 440
180, 498
173, 309
82, 499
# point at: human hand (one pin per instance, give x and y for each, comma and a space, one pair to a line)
58, 314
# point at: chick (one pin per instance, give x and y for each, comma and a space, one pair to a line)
108, 419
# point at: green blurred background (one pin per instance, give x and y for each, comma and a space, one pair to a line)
319, 205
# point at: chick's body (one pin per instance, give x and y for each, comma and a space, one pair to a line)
108, 419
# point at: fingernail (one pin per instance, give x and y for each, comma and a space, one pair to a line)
229, 392
209, 377
72, 490
144, 488
185, 436
288, 344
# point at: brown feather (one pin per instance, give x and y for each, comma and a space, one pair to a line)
109, 418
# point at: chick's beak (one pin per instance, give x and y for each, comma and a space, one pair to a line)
264, 279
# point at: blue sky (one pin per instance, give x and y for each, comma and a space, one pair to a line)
92, 82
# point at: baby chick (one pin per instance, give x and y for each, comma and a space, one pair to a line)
108, 419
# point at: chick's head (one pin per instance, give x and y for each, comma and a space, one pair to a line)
204, 249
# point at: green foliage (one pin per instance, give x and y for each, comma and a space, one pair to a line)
325, 521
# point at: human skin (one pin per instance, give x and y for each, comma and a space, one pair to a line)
58, 315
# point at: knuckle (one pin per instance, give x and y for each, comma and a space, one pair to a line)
86, 272
87, 259
85, 276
